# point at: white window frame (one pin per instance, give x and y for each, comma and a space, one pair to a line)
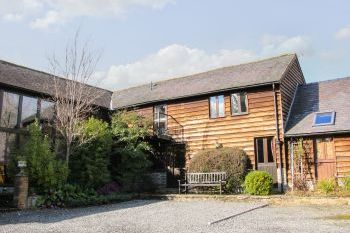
239, 104
217, 107
160, 119
319, 113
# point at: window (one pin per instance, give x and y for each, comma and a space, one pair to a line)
324, 118
239, 103
7, 142
29, 110
47, 110
160, 119
217, 106
9, 110
263, 150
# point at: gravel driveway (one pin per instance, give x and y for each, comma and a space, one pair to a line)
177, 216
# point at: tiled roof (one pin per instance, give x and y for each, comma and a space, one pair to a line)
40, 82
332, 95
239, 76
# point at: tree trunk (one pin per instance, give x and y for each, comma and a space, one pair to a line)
68, 145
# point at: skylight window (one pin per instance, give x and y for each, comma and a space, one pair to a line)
324, 118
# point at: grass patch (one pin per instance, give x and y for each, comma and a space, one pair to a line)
340, 217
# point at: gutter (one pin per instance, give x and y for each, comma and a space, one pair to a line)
318, 133
278, 135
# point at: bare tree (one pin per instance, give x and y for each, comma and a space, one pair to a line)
74, 98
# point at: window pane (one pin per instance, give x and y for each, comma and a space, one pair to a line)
7, 142
47, 110
269, 150
260, 150
162, 112
29, 110
213, 113
160, 128
9, 110
324, 118
243, 98
160, 120
221, 100
234, 103
159, 113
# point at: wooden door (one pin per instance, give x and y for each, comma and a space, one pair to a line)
325, 159
265, 157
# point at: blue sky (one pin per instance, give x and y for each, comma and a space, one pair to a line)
150, 40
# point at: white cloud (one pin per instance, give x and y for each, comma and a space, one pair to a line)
171, 61
179, 60
343, 33
43, 14
276, 44
51, 17
12, 17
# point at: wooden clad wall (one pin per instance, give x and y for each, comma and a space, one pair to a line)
342, 153
201, 132
289, 83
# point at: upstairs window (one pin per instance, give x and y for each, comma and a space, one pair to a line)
217, 106
160, 119
324, 118
239, 103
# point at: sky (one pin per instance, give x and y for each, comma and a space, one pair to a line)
150, 40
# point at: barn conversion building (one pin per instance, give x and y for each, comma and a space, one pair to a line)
263, 107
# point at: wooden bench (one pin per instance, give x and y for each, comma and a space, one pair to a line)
203, 180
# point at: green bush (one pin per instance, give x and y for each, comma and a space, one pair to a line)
258, 183
45, 171
327, 186
346, 181
130, 158
76, 196
133, 166
233, 161
90, 160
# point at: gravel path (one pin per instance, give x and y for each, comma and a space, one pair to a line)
176, 216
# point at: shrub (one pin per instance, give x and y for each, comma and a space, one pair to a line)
346, 182
131, 131
45, 171
89, 161
59, 198
130, 160
233, 161
327, 186
300, 184
132, 169
258, 183
109, 188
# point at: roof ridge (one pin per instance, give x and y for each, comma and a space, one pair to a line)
326, 81
212, 70
46, 73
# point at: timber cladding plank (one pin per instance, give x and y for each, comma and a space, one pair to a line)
342, 152
201, 132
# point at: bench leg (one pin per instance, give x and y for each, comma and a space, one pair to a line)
179, 186
220, 188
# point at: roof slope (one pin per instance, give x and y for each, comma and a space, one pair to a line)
244, 75
32, 80
332, 95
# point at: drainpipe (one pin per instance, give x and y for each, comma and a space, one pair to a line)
278, 142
